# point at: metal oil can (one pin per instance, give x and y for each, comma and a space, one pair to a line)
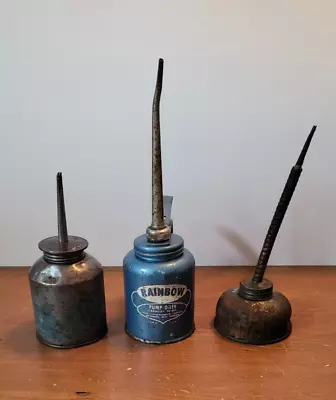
67, 288
159, 273
255, 313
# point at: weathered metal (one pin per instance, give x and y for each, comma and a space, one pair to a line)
67, 288
254, 313
157, 231
159, 273
253, 321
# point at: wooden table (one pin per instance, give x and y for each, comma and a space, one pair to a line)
204, 366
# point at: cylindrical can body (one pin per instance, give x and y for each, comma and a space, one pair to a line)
159, 281
68, 302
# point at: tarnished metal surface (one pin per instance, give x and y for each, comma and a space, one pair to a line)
159, 280
157, 231
254, 313
253, 322
69, 302
67, 288
160, 342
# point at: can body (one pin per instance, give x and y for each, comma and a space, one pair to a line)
68, 302
159, 281
253, 322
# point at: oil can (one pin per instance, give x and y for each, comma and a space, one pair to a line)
255, 313
159, 273
67, 288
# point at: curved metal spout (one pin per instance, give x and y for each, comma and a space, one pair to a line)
157, 231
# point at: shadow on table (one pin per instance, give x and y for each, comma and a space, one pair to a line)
115, 317
117, 337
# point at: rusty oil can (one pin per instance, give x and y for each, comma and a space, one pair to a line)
255, 313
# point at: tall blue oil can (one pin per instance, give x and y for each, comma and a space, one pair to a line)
159, 273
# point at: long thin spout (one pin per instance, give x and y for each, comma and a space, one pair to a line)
157, 191
280, 212
157, 231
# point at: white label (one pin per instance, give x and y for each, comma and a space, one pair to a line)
161, 303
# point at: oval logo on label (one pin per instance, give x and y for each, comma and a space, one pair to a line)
162, 294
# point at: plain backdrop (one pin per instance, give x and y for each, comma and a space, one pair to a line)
244, 82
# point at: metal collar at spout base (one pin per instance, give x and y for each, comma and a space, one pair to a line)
257, 321
250, 290
70, 252
158, 234
164, 233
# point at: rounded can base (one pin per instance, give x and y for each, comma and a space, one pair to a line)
142, 340
70, 346
252, 342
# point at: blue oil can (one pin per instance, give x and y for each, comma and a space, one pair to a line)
159, 273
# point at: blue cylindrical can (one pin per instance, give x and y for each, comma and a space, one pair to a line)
159, 280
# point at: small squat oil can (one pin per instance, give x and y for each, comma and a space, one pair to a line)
255, 313
159, 273
67, 288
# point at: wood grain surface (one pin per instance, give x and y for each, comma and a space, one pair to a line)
204, 366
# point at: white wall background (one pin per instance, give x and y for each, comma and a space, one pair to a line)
244, 82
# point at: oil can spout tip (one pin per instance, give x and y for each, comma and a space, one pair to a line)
306, 147
61, 216
159, 82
